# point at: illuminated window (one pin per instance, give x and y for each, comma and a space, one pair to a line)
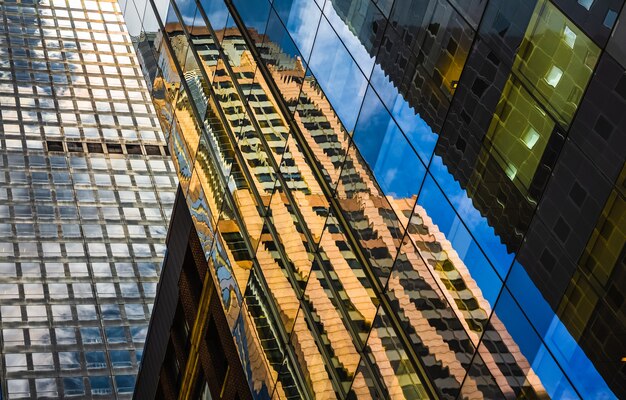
510, 171
555, 61
569, 37
553, 76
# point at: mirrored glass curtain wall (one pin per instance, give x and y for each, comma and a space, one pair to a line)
380, 199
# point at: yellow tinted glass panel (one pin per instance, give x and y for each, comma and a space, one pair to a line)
519, 133
556, 60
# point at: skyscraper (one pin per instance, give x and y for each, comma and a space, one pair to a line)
86, 189
390, 199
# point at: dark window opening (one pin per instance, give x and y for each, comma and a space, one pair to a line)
94, 148
114, 148
152, 150
54, 145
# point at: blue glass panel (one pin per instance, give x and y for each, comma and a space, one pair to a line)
100, 385
125, 383
419, 133
338, 74
550, 376
73, 386
139, 355
253, 13
443, 215
529, 297
356, 30
216, 12
575, 363
396, 167
170, 17
120, 358
115, 334
187, 10
478, 225
301, 18
90, 335
95, 359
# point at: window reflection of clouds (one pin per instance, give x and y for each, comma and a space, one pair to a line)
339, 76
301, 18
394, 163
358, 51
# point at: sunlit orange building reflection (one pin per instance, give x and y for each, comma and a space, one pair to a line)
301, 302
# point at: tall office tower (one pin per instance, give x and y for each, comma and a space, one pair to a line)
86, 189
389, 199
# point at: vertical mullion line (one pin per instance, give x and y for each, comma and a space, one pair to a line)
336, 381
334, 206
239, 159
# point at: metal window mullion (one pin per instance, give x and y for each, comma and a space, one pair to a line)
334, 205
276, 314
303, 304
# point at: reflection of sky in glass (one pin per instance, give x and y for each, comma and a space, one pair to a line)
395, 165
301, 18
187, 10
476, 223
401, 116
399, 172
362, 57
253, 13
390, 135
216, 12
448, 222
338, 75
571, 357
414, 127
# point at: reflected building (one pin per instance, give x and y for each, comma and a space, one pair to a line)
86, 190
389, 200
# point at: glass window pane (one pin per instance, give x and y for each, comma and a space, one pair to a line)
398, 170
338, 75
557, 59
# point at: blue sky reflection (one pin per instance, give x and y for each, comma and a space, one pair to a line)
397, 144
564, 347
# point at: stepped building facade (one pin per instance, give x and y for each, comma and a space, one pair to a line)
389, 199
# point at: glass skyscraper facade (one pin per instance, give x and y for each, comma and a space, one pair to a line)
389, 199
86, 189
